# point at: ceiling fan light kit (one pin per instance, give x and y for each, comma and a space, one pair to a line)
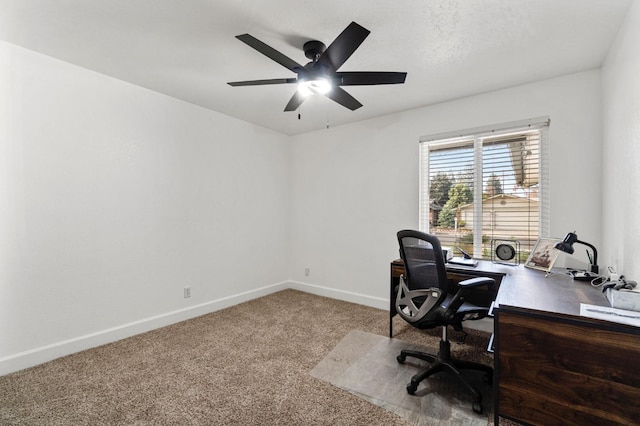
321, 75
320, 86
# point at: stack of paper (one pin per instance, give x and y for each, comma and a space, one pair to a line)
610, 314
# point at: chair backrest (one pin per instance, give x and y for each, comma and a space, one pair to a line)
423, 260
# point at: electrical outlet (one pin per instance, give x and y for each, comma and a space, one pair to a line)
187, 292
307, 271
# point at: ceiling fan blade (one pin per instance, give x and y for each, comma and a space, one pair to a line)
343, 98
270, 52
342, 47
296, 100
362, 78
261, 82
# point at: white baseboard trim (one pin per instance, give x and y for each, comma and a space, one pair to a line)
46, 353
347, 296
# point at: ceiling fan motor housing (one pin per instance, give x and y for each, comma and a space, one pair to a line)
313, 49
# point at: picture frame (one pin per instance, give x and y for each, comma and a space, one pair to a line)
543, 255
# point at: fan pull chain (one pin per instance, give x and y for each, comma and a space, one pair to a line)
326, 107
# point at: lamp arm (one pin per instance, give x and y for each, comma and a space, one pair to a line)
595, 255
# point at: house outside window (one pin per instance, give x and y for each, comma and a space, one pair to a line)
483, 185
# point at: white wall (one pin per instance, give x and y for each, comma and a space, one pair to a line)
113, 198
621, 149
355, 186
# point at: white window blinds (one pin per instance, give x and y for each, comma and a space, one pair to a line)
486, 184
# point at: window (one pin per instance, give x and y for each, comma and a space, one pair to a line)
485, 185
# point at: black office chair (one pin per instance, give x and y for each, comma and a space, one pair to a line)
423, 301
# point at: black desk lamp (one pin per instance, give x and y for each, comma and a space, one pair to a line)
566, 246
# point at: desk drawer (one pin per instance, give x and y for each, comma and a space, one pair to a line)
558, 371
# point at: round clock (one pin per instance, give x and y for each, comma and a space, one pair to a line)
505, 252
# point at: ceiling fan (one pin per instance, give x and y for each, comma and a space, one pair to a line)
321, 75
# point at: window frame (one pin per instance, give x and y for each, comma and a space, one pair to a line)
477, 135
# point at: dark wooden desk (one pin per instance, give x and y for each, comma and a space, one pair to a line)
551, 365
555, 367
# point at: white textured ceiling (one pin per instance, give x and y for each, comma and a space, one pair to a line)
187, 49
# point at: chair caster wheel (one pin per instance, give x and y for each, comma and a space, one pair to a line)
400, 359
477, 407
411, 389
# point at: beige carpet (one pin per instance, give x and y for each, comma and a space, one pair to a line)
246, 365
365, 365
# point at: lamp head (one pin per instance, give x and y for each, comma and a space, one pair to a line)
566, 245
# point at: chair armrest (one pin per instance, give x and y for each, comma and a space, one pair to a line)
476, 282
464, 287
